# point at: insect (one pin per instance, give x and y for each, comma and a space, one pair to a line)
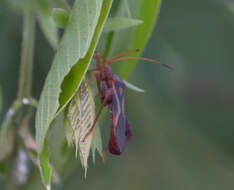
111, 89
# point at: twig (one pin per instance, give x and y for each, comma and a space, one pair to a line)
24, 91
27, 52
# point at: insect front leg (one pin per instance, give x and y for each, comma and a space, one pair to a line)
98, 70
98, 58
84, 89
108, 95
98, 80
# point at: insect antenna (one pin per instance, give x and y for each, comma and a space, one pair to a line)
122, 54
139, 58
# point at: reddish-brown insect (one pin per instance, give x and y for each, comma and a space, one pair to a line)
111, 89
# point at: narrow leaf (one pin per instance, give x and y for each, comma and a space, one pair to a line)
76, 49
61, 155
46, 22
60, 17
45, 168
115, 24
96, 143
68, 128
62, 4
148, 13
73, 79
133, 87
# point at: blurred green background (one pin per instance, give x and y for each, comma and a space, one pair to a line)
183, 124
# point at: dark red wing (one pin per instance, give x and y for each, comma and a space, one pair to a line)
118, 122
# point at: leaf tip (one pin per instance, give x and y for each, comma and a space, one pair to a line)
60, 17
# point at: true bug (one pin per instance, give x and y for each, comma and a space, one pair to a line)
111, 89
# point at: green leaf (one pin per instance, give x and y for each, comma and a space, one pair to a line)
73, 79
45, 168
62, 4
76, 49
115, 24
132, 38
68, 127
61, 155
72, 59
96, 143
60, 17
46, 22
148, 13
133, 87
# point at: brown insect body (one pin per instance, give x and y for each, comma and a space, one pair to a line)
111, 89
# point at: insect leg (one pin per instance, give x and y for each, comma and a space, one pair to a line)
97, 70
86, 85
103, 154
108, 94
98, 80
96, 74
98, 58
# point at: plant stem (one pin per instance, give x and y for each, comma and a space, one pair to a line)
25, 77
110, 35
108, 43
24, 91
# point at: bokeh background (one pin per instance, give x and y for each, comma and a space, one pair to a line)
183, 124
